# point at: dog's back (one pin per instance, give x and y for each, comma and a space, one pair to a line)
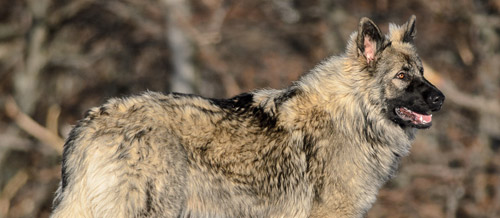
169, 155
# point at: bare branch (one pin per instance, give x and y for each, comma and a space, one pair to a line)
477, 103
52, 118
68, 11
32, 127
10, 190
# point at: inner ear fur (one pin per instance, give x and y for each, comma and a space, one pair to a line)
410, 30
370, 40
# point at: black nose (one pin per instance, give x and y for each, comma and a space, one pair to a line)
435, 100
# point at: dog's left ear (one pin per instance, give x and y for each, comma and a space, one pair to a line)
410, 30
370, 40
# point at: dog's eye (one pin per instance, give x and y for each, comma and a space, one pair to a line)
401, 75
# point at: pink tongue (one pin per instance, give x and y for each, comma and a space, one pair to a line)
420, 118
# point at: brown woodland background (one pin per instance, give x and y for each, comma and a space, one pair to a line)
58, 58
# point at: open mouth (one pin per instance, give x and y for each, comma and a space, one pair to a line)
414, 117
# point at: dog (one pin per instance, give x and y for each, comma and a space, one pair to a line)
322, 147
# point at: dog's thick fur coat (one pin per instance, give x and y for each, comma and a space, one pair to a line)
320, 148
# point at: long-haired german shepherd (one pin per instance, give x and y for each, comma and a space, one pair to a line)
320, 148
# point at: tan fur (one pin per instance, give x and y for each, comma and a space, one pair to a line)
321, 148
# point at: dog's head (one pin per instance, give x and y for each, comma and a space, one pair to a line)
408, 97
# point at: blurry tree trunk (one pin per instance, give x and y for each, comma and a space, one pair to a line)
181, 46
26, 80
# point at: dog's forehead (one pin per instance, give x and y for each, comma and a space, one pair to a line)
407, 55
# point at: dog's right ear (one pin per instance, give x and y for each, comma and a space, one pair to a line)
370, 40
410, 30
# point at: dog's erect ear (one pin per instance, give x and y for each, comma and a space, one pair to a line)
370, 39
410, 30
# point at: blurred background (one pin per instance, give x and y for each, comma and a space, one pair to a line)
58, 58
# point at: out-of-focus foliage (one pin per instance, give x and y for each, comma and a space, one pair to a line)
59, 57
